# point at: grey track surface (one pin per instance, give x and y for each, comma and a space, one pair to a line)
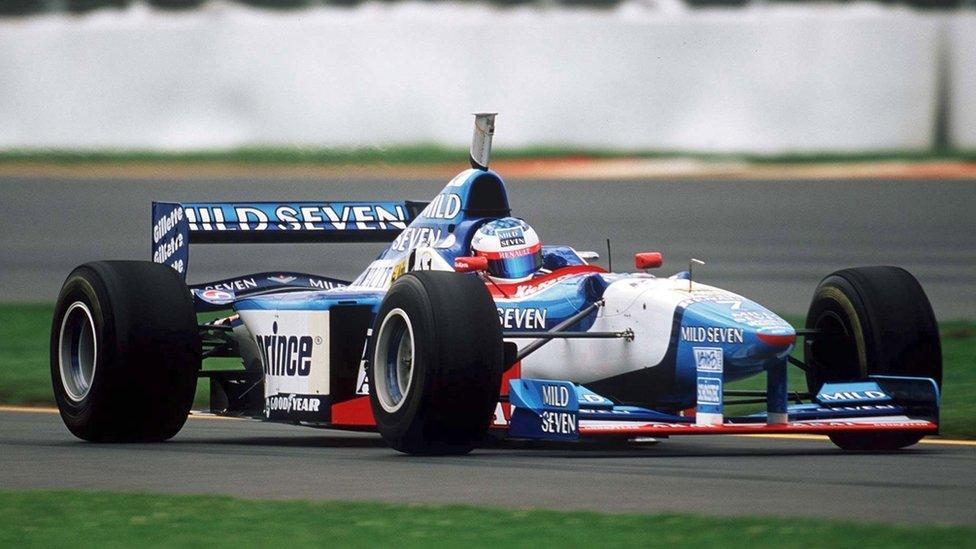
705, 475
771, 241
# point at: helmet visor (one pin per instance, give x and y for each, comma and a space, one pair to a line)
515, 267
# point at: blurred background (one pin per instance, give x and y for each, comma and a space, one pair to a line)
707, 76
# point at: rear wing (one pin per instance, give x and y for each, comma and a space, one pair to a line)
177, 225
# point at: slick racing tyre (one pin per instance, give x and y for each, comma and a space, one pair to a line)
871, 321
435, 363
124, 352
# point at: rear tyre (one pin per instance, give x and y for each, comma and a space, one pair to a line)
872, 321
435, 363
125, 352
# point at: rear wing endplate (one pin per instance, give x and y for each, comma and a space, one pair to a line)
177, 225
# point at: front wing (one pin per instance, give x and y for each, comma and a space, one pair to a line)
561, 410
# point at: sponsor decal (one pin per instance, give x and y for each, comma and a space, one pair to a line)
611, 411
877, 423
710, 391
399, 270
758, 319
667, 425
285, 355
362, 379
499, 418
709, 365
170, 238
509, 254
511, 237
544, 409
377, 276
443, 206
614, 426
711, 334
720, 297
414, 237
323, 284
559, 423
209, 218
555, 395
282, 279
216, 295
593, 398
291, 403
165, 224
870, 407
169, 247
708, 359
611, 425
852, 395
528, 319
234, 285
532, 289
313, 218
294, 217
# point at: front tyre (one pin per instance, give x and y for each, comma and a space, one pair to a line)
124, 352
871, 321
435, 363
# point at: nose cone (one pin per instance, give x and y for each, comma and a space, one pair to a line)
751, 337
779, 339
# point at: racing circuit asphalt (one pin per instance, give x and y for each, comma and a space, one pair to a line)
715, 475
771, 241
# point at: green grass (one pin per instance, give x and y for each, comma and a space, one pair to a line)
24, 369
25, 375
61, 519
959, 378
428, 153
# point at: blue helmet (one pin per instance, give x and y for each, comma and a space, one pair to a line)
512, 247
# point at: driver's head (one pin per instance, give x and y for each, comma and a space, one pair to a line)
512, 248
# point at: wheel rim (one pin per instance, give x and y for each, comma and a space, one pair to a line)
393, 360
78, 351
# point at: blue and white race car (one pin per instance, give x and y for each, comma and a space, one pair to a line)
466, 328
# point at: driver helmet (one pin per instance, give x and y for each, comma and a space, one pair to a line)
512, 248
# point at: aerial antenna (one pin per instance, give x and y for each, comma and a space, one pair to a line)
609, 257
691, 263
484, 128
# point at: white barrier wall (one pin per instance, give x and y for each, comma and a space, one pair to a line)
818, 78
961, 45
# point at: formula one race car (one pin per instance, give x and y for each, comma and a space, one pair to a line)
467, 327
